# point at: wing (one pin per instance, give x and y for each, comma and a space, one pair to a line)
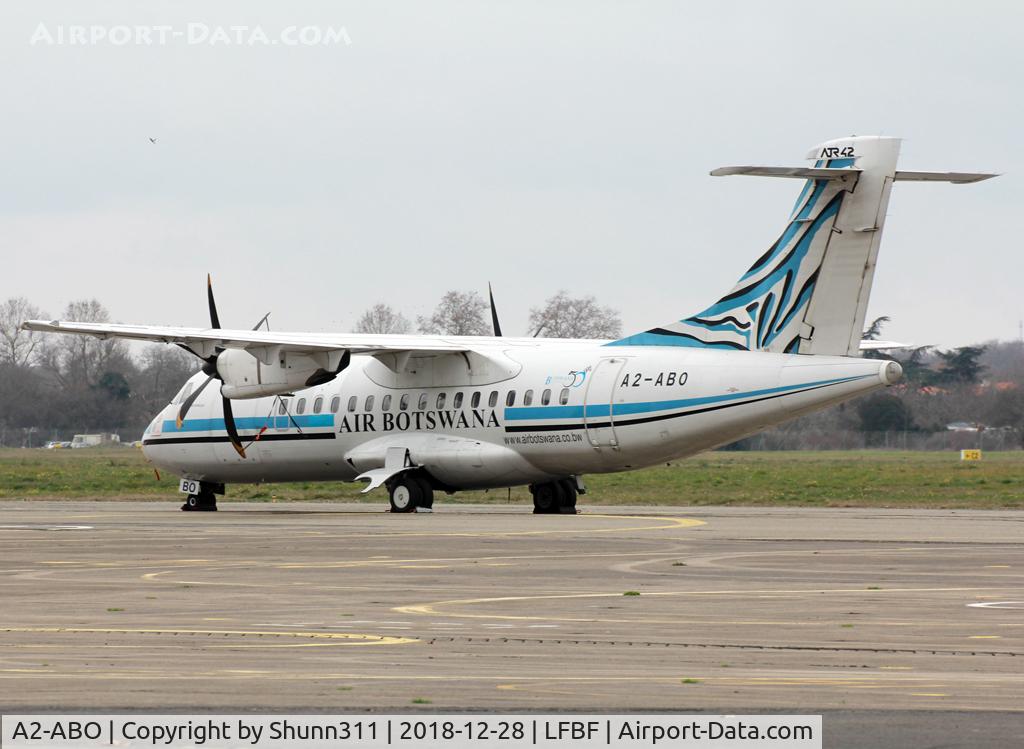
260, 343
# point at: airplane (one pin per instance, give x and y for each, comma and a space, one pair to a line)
419, 414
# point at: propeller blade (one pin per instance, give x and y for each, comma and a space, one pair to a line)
214, 319
229, 424
190, 400
494, 312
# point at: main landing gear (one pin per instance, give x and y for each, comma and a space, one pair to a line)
410, 491
555, 497
205, 500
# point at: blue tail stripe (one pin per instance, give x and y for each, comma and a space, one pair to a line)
659, 339
792, 229
798, 257
767, 282
799, 304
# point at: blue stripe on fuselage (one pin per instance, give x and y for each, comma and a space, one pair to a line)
602, 409
254, 423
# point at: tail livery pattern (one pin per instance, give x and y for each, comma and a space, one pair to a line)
808, 293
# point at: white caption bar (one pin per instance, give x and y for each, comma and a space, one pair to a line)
408, 731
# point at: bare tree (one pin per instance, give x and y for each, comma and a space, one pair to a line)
17, 345
458, 313
381, 318
159, 372
82, 360
563, 316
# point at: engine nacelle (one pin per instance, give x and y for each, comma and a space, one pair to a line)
244, 375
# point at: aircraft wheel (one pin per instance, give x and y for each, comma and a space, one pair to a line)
546, 497
567, 503
404, 494
426, 492
200, 503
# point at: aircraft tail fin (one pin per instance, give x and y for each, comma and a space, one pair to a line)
809, 292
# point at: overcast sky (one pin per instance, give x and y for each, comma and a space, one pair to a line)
536, 145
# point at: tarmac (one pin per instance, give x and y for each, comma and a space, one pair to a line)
891, 623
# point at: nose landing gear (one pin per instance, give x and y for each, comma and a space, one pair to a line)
205, 500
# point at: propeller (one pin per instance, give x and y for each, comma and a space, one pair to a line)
494, 312
210, 369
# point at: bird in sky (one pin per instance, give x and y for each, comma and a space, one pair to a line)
152, 140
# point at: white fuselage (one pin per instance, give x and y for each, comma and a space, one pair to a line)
527, 411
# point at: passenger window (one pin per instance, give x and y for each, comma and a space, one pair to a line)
335, 404
563, 397
368, 406
528, 398
440, 401
385, 403
422, 405
545, 397
474, 402
318, 405
492, 399
510, 399
352, 403
283, 408
300, 407
403, 403
457, 401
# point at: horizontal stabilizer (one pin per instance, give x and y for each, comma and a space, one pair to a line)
957, 178
796, 172
867, 345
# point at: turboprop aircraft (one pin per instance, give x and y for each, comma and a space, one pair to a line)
418, 414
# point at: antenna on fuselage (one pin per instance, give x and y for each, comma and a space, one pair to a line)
494, 312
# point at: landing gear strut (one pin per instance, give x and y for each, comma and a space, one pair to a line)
411, 491
205, 500
554, 497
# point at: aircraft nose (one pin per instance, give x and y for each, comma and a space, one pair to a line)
890, 373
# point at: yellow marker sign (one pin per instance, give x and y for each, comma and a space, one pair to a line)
970, 455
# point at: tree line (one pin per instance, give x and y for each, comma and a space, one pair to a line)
468, 313
52, 386
963, 397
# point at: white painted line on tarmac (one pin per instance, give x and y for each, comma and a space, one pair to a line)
997, 605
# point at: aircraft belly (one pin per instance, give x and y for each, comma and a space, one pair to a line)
457, 461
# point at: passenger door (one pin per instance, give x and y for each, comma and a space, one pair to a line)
597, 402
